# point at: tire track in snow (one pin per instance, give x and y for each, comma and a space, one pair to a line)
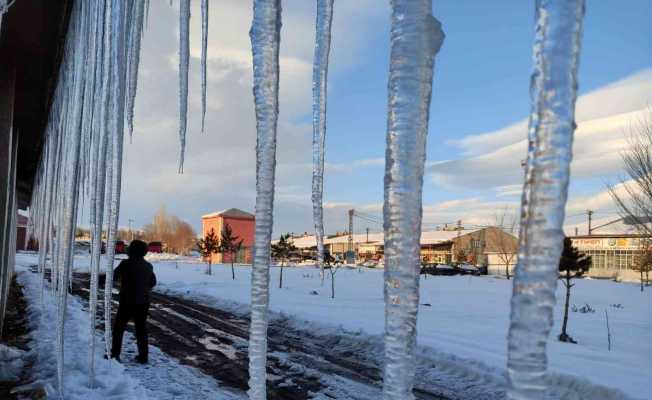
301, 365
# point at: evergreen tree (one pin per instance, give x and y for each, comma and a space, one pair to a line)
207, 247
229, 244
643, 262
281, 251
572, 264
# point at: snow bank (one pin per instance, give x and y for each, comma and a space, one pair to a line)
463, 316
112, 382
163, 379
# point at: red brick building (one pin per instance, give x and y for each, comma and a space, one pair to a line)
242, 224
21, 232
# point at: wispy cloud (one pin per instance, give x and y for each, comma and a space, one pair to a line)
493, 160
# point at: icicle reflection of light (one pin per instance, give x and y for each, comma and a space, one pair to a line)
319, 90
265, 43
416, 37
552, 122
184, 59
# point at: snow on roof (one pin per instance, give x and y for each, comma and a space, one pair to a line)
428, 237
435, 237
232, 213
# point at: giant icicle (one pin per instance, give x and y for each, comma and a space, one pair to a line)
116, 130
72, 80
204, 54
416, 37
319, 91
135, 29
184, 59
97, 177
83, 149
265, 42
552, 122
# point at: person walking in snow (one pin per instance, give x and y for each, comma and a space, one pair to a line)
136, 282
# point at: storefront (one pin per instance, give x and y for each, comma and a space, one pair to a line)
612, 255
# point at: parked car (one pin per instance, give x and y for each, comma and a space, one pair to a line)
468, 269
155, 247
120, 247
369, 264
439, 269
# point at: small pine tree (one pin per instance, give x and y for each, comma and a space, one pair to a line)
572, 264
207, 247
230, 245
281, 251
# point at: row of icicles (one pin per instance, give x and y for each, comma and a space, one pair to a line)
94, 99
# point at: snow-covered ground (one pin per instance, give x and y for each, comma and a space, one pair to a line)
163, 378
465, 316
461, 318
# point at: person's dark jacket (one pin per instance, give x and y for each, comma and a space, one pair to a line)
136, 281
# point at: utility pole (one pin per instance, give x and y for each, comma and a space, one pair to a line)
350, 249
457, 242
367, 234
590, 215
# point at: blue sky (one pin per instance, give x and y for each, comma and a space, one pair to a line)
481, 87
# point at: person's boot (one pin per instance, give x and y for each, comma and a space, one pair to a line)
141, 359
114, 357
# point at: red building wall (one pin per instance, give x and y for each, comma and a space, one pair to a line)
242, 227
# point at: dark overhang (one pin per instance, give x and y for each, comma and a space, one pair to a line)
32, 37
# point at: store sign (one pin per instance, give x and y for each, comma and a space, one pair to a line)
607, 243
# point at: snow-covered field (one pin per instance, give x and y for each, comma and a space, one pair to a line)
466, 316
462, 316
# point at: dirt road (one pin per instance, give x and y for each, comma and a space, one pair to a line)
302, 364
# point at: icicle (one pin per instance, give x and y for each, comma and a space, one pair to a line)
319, 90
553, 93
75, 55
116, 133
416, 37
4, 7
97, 167
184, 58
204, 51
265, 42
146, 23
133, 61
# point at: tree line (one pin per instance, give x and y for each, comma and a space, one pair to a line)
177, 235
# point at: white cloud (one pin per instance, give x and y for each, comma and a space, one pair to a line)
630, 94
220, 164
493, 160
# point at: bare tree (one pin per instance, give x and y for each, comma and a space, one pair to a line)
332, 267
177, 234
505, 242
633, 194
